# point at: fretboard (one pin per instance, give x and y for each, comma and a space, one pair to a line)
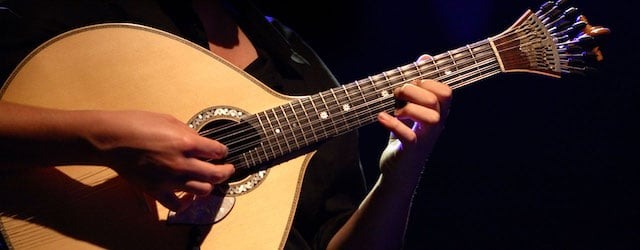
309, 120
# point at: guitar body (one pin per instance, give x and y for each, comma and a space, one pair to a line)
122, 66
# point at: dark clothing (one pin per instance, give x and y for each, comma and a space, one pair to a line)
333, 184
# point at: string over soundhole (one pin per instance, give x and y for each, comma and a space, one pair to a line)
224, 124
228, 126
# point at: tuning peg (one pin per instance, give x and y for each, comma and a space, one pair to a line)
562, 25
561, 2
553, 14
573, 48
575, 29
586, 41
546, 7
571, 13
567, 16
582, 71
577, 62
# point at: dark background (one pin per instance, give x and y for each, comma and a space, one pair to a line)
526, 161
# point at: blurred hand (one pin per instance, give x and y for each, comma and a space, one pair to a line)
160, 154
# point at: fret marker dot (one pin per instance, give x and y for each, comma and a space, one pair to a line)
278, 131
324, 115
448, 72
384, 93
346, 107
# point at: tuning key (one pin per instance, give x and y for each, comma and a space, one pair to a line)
571, 13
561, 2
546, 7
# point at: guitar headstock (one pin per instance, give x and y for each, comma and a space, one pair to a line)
552, 41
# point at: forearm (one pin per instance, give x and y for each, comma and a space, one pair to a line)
380, 221
32, 137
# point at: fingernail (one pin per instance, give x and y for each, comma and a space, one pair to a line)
384, 116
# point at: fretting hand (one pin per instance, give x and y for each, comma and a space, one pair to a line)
414, 129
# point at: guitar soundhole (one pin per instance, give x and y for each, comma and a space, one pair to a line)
224, 124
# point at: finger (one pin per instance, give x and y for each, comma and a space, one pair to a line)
206, 148
414, 94
207, 172
198, 187
419, 114
401, 131
425, 57
442, 91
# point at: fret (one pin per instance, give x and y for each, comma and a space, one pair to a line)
295, 114
387, 79
321, 116
466, 64
474, 59
354, 106
453, 61
465, 76
417, 66
466, 60
266, 138
291, 130
486, 65
390, 77
373, 83
483, 50
390, 82
306, 114
437, 71
246, 160
364, 99
329, 113
445, 63
255, 157
404, 78
282, 132
252, 157
275, 135
343, 108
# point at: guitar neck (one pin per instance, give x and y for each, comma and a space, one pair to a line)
308, 120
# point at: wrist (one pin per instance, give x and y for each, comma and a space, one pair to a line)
400, 183
94, 135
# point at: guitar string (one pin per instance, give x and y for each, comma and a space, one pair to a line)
456, 52
395, 77
209, 131
435, 58
472, 79
52, 239
95, 173
326, 125
451, 66
349, 117
454, 86
353, 109
333, 124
